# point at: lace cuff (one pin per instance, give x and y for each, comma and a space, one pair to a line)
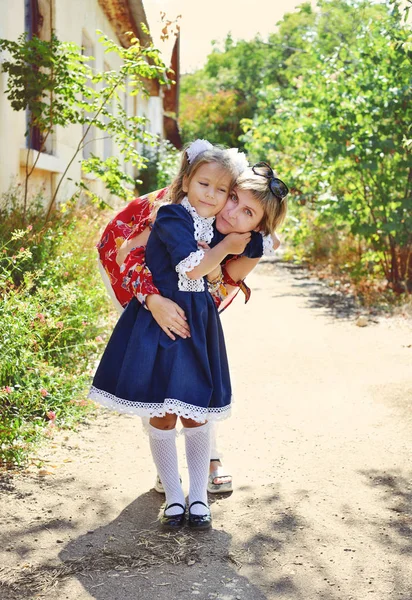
268, 249
186, 265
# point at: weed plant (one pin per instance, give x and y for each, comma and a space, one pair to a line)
342, 259
52, 314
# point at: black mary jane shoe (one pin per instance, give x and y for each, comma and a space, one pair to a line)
200, 521
173, 521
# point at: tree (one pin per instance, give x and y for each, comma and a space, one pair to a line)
216, 98
341, 134
49, 79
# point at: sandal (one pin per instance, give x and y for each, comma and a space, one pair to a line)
158, 486
219, 488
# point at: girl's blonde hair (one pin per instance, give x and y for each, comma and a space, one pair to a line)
188, 169
274, 208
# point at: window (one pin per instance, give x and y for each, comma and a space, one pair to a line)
39, 17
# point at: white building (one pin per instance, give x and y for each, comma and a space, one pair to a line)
75, 21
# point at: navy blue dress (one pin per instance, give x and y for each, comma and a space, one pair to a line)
142, 370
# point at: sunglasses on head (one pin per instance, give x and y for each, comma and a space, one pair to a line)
276, 186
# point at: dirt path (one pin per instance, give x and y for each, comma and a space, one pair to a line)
320, 449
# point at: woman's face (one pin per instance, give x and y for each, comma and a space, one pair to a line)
241, 213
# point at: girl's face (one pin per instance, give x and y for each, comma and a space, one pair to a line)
208, 189
241, 213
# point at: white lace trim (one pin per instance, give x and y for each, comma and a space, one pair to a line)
185, 284
267, 245
203, 225
154, 409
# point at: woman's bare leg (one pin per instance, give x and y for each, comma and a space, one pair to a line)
220, 482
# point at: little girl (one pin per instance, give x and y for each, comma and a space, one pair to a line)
150, 374
251, 206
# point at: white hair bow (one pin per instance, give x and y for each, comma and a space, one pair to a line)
239, 159
196, 148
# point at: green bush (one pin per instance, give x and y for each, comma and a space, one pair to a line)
162, 165
51, 294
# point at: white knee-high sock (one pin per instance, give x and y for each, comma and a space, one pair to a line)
164, 452
197, 442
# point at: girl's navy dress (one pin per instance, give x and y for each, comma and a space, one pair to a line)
142, 370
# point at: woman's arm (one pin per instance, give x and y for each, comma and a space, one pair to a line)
167, 314
239, 269
221, 285
130, 243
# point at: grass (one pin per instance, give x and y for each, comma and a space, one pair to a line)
51, 293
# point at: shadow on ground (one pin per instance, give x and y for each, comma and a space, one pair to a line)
395, 493
130, 557
276, 549
319, 294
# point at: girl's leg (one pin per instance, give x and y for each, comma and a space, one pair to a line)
162, 436
197, 442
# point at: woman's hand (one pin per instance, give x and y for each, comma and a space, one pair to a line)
168, 315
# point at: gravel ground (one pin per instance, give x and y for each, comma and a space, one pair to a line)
319, 446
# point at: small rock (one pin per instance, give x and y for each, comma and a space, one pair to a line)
44, 472
361, 321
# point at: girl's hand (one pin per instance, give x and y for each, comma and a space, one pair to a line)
237, 242
204, 246
168, 315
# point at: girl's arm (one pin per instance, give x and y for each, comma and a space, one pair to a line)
234, 243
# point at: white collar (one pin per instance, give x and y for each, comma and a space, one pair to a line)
203, 225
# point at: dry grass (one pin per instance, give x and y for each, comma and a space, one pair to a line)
151, 549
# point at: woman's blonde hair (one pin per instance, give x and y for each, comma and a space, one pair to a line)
274, 208
188, 169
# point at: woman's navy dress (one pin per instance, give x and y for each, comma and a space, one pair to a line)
142, 370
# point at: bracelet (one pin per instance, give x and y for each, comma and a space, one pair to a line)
215, 287
216, 280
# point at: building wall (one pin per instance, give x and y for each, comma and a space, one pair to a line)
12, 124
74, 21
